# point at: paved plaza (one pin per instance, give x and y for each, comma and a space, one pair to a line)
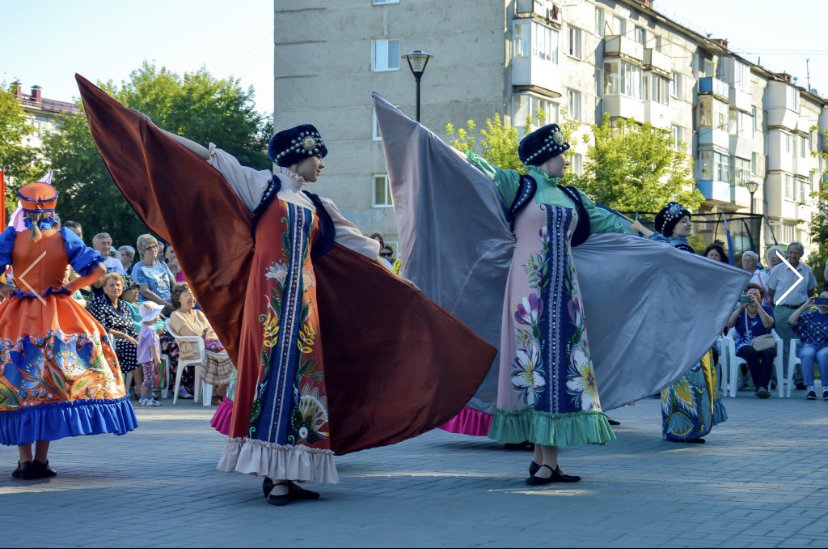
759, 481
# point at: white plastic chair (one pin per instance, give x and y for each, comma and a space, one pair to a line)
793, 360
723, 365
737, 361
197, 362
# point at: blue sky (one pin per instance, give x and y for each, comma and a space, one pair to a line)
46, 42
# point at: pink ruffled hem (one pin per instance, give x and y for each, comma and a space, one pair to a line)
221, 421
469, 422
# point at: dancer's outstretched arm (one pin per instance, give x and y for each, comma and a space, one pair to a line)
200, 150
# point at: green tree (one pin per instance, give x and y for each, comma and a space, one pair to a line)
20, 163
633, 167
818, 254
195, 105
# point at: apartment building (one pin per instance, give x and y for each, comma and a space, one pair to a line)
740, 123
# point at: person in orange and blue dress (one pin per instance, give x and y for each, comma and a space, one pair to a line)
59, 377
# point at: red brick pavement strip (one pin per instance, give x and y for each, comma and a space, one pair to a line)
758, 481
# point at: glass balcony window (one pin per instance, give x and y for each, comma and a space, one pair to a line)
621, 77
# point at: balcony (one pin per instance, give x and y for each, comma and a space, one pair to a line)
715, 87
657, 114
623, 47
531, 72
782, 104
741, 196
741, 145
657, 62
715, 137
545, 10
624, 106
740, 99
718, 191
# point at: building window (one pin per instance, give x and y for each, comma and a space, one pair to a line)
678, 85
812, 136
531, 38
789, 187
678, 138
713, 113
715, 166
740, 123
741, 171
787, 138
622, 78
573, 102
619, 26
659, 89
382, 191
574, 42
657, 43
599, 22
382, 2
641, 35
792, 98
755, 118
804, 190
385, 55
375, 129
532, 109
578, 164
788, 232
754, 164
741, 76
803, 147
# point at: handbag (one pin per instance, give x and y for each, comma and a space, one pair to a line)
763, 342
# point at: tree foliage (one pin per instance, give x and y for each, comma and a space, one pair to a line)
630, 167
633, 167
20, 163
195, 105
818, 254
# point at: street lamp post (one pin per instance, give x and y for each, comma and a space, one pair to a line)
752, 187
417, 61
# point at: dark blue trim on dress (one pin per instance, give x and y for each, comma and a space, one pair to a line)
59, 420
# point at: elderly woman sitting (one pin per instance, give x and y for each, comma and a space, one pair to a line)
114, 315
187, 321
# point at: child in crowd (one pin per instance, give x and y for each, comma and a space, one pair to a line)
149, 350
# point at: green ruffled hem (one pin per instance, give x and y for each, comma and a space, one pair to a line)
573, 429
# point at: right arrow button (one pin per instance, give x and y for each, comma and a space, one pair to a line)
801, 278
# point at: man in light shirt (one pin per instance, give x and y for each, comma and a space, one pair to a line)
102, 242
780, 281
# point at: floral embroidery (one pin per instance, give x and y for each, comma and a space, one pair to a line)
580, 382
278, 272
526, 378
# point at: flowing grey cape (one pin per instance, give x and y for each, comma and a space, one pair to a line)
651, 311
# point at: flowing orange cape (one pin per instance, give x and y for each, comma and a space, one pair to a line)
396, 365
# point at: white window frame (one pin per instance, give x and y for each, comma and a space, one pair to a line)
376, 67
677, 86
753, 112
532, 103
578, 163
600, 22
574, 104
385, 201
384, 2
788, 187
629, 78
640, 35
788, 142
618, 26
803, 147
575, 42
678, 137
522, 39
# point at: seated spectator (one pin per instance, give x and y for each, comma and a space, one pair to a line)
153, 276
188, 321
172, 263
811, 324
127, 255
752, 320
75, 227
716, 253
102, 243
115, 317
750, 263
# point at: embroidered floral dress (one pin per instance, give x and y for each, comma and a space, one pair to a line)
547, 392
691, 406
58, 375
280, 426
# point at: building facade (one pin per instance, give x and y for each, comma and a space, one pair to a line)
580, 59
